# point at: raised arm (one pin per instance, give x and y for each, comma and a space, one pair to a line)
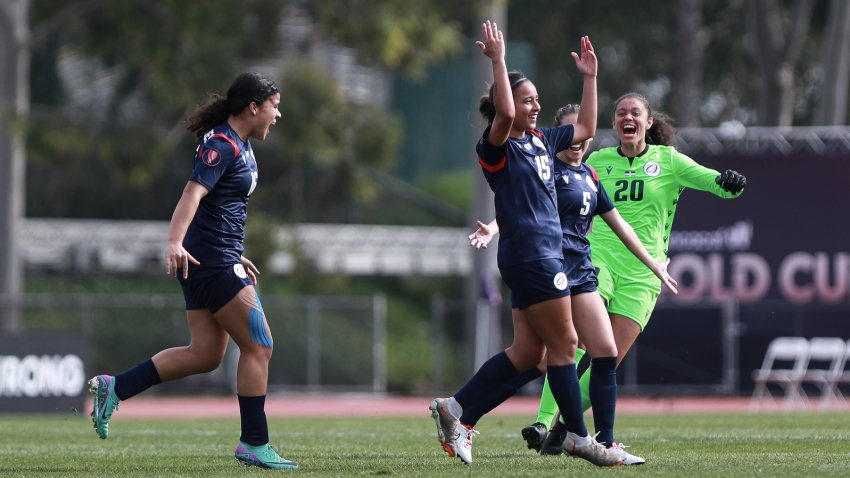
585, 126
626, 234
493, 46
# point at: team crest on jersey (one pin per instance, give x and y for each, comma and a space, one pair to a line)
211, 157
590, 183
652, 169
537, 142
560, 281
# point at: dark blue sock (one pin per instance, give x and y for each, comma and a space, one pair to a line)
563, 381
136, 380
255, 428
492, 375
603, 397
474, 413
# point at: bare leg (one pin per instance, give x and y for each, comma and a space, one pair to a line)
252, 372
593, 325
527, 350
626, 331
551, 321
203, 354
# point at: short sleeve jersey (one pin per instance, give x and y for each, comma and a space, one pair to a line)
580, 197
645, 189
225, 165
520, 174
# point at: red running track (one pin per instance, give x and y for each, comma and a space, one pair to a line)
384, 406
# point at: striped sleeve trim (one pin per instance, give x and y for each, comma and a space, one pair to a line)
493, 168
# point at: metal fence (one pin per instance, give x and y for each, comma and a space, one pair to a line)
322, 343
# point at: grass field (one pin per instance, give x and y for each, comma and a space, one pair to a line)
743, 445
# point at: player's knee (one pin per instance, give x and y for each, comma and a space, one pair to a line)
524, 358
210, 363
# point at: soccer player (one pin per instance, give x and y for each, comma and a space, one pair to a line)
645, 176
580, 198
514, 156
205, 246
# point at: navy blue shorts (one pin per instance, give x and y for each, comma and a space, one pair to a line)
212, 287
535, 282
580, 273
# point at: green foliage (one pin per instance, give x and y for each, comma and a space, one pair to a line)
733, 445
322, 149
454, 187
397, 34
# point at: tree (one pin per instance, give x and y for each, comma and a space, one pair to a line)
14, 82
832, 108
779, 40
691, 39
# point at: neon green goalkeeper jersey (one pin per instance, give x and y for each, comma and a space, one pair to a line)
645, 191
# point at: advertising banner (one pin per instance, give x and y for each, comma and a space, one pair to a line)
782, 249
42, 373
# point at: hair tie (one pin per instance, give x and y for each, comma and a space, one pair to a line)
518, 82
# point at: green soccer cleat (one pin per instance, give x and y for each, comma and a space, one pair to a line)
264, 456
105, 402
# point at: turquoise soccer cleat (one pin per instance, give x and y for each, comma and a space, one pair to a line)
264, 456
102, 389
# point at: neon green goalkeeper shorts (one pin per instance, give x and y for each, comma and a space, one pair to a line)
630, 297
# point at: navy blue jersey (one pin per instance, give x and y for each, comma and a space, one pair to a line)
225, 165
520, 174
580, 197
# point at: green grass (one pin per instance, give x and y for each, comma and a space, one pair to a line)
761, 445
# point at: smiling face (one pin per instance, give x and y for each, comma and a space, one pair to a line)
575, 152
526, 106
266, 115
631, 120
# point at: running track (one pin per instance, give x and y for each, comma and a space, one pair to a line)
387, 406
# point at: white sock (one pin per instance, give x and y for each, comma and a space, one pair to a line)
454, 408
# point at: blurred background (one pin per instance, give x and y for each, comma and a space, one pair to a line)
369, 184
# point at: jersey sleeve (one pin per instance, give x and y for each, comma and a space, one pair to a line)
603, 202
491, 157
212, 160
558, 138
695, 176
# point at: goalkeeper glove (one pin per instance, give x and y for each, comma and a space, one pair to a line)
731, 181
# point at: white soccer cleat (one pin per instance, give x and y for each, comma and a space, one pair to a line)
464, 436
628, 458
591, 450
447, 425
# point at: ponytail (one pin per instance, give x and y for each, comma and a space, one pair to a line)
247, 88
486, 105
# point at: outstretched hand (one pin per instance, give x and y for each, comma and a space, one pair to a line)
493, 44
586, 63
666, 279
481, 237
731, 181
